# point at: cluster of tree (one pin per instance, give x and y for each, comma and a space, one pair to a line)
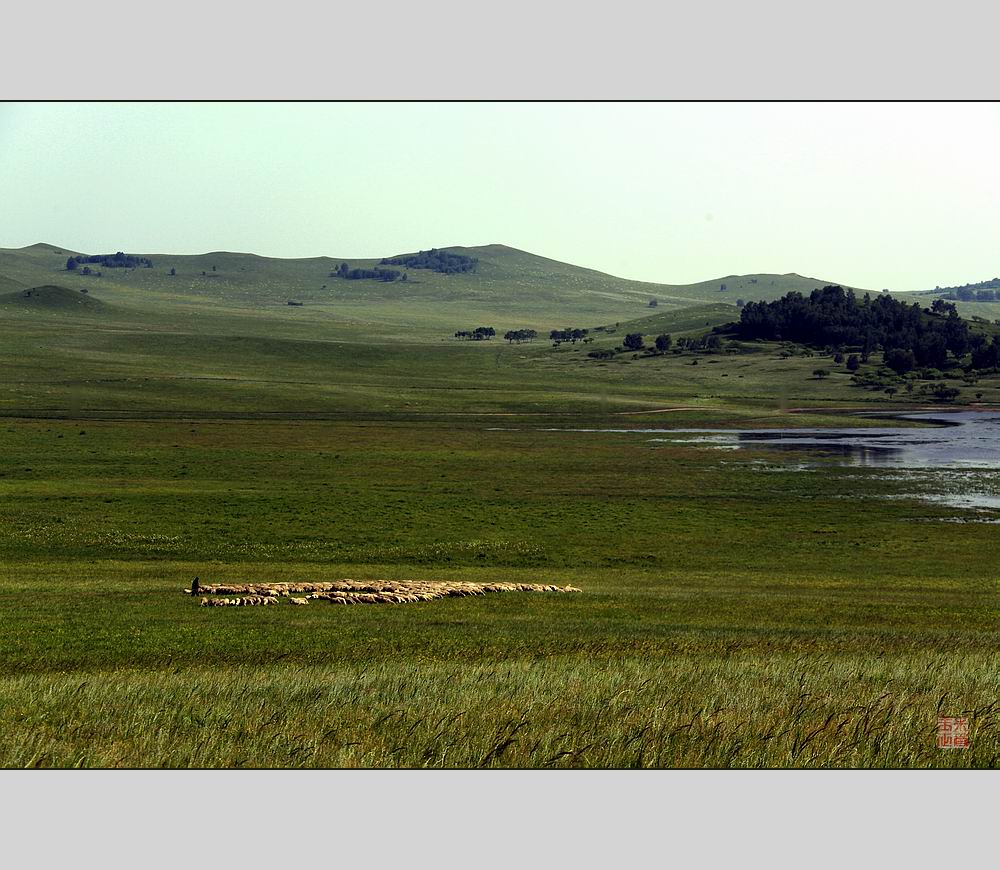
966, 294
709, 341
480, 333
835, 317
434, 259
568, 334
350, 274
110, 261
519, 335
985, 354
981, 291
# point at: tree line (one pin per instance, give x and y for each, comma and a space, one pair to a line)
968, 294
485, 333
436, 260
349, 274
568, 334
119, 260
519, 335
480, 333
981, 291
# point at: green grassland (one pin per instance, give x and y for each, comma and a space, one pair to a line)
521, 289
736, 610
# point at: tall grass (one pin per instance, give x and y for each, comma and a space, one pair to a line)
748, 710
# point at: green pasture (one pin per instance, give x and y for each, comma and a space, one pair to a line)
737, 609
730, 607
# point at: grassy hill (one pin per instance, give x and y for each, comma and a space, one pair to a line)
52, 298
142, 341
512, 287
695, 318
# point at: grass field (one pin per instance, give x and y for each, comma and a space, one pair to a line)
736, 611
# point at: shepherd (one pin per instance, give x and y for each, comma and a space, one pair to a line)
194, 586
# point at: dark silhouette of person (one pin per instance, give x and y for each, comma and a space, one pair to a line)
194, 586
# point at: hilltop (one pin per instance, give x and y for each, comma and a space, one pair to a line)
509, 285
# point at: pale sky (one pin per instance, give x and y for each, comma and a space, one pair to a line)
905, 196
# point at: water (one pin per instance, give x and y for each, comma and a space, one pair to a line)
954, 460
955, 439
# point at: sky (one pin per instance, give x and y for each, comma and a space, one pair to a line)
897, 195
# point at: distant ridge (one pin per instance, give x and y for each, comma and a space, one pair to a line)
495, 251
507, 285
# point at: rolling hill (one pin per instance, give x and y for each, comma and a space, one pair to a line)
512, 287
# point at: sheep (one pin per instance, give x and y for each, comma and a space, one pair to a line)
350, 591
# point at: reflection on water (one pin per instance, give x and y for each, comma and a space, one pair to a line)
960, 439
953, 461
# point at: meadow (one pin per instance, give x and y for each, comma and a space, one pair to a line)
736, 610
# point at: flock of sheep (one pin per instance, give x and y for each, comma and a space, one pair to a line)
357, 591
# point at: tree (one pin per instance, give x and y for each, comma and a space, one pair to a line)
663, 343
945, 394
173, 271
900, 361
821, 373
653, 303
343, 270
838, 358
853, 362
633, 341
740, 303
986, 356
939, 306
70, 264
519, 335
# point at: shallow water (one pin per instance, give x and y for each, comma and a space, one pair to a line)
954, 461
960, 439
